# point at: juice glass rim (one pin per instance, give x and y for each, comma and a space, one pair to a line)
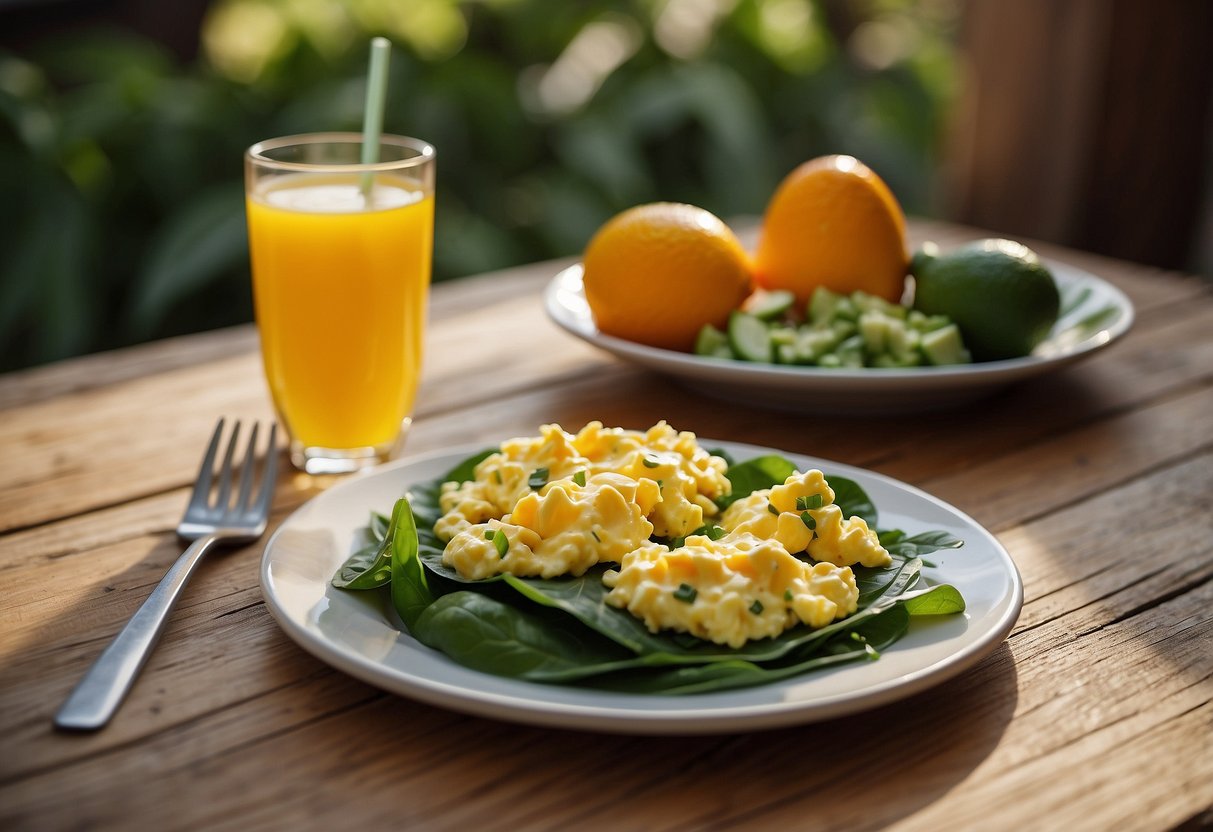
255, 154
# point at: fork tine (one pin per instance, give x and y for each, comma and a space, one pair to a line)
246, 473
202, 485
266, 496
225, 473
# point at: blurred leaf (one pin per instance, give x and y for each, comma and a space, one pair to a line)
572, 212
608, 157
103, 136
193, 249
102, 54
737, 160
46, 303
67, 316
466, 244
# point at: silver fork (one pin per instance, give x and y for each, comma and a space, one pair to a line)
208, 523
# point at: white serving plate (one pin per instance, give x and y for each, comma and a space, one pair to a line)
353, 631
868, 390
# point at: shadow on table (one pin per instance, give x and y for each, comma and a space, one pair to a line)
861, 771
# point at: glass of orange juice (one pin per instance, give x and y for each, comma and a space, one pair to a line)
341, 270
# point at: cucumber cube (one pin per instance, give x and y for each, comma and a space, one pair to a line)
944, 346
871, 303
811, 344
874, 329
823, 305
768, 305
749, 337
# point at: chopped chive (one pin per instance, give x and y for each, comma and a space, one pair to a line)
928, 563
808, 520
501, 543
787, 595
649, 462
538, 479
806, 503
771, 508
594, 534
714, 532
488, 534
497, 476
858, 637
579, 478
685, 593
660, 484
756, 607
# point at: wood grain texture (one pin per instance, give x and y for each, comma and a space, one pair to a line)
1095, 713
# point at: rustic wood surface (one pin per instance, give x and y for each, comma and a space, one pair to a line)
1096, 713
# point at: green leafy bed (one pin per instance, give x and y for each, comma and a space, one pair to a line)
561, 630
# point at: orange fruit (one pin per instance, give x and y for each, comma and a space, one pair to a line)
656, 273
834, 223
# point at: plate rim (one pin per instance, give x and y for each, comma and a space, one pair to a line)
684, 721
752, 372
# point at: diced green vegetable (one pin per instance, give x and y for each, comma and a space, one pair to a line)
823, 305
787, 354
749, 337
944, 346
685, 593
712, 342
871, 303
850, 352
501, 543
768, 305
841, 331
538, 478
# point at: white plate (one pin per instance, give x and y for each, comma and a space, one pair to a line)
865, 390
353, 631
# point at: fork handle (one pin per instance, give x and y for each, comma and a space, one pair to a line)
97, 696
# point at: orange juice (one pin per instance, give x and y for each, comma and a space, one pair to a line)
340, 284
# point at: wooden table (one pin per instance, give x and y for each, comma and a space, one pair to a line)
1095, 714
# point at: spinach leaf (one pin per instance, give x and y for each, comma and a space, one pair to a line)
753, 475
531, 643
377, 529
370, 566
852, 499
875, 581
410, 593
941, 599
367, 568
486, 634
878, 631
771, 470
584, 598
922, 543
466, 470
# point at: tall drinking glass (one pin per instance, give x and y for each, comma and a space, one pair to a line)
341, 270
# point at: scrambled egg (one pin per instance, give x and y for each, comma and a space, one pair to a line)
730, 590
559, 503
568, 492
801, 515
563, 529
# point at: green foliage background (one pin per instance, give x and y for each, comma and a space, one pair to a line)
123, 219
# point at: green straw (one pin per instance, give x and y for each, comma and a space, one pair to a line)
376, 95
